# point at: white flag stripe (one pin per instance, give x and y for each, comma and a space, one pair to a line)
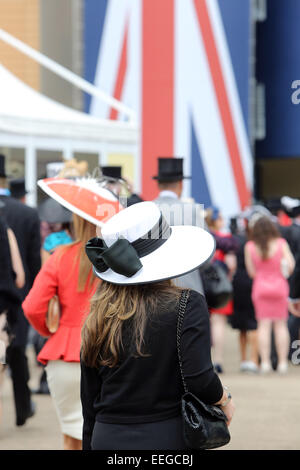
110, 52
231, 87
195, 97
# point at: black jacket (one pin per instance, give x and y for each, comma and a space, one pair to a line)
295, 279
149, 389
292, 236
24, 222
10, 297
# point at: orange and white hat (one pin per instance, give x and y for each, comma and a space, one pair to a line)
84, 197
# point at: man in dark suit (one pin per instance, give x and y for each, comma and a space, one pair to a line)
292, 234
25, 223
294, 308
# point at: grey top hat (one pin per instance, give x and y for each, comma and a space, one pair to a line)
52, 212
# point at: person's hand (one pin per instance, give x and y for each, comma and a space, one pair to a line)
229, 411
230, 261
294, 308
228, 408
129, 185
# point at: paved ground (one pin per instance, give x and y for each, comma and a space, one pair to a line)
267, 410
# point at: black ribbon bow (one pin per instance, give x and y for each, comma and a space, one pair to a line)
121, 257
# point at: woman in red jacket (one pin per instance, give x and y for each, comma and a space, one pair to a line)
67, 274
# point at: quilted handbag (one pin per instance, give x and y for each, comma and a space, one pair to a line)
204, 426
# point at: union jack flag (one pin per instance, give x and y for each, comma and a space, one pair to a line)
170, 61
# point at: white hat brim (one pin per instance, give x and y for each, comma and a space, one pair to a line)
186, 249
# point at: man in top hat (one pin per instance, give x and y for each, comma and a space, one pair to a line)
115, 180
176, 211
17, 189
170, 184
24, 222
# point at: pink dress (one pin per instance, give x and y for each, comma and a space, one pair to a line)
270, 289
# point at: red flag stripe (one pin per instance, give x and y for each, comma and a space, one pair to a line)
158, 88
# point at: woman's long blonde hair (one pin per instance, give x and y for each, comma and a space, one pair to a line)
111, 307
83, 231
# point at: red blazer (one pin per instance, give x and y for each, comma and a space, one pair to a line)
59, 275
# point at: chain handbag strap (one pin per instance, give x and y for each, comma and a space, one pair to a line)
181, 311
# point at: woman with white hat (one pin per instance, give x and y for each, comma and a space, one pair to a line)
131, 385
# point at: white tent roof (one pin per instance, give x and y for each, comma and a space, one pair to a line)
26, 112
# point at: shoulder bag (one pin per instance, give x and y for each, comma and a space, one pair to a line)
217, 287
204, 426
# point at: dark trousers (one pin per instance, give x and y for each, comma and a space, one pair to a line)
17, 361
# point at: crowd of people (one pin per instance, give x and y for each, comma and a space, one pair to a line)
110, 363
261, 270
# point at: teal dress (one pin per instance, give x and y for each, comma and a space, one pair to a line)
56, 239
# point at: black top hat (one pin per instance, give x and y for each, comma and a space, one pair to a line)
114, 172
17, 188
2, 166
170, 170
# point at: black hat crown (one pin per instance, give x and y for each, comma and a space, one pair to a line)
114, 172
17, 188
2, 166
170, 169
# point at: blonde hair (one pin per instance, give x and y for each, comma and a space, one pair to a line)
211, 223
114, 305
72, 169
3, 182
83, 232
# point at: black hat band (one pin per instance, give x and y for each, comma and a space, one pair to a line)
122, 256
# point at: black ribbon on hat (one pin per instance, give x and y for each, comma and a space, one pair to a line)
122, 256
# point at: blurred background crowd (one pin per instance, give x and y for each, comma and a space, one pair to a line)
251, 284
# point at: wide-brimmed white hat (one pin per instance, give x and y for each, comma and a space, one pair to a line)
138, 246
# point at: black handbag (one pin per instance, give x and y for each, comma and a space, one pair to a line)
216, 285
204, 426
